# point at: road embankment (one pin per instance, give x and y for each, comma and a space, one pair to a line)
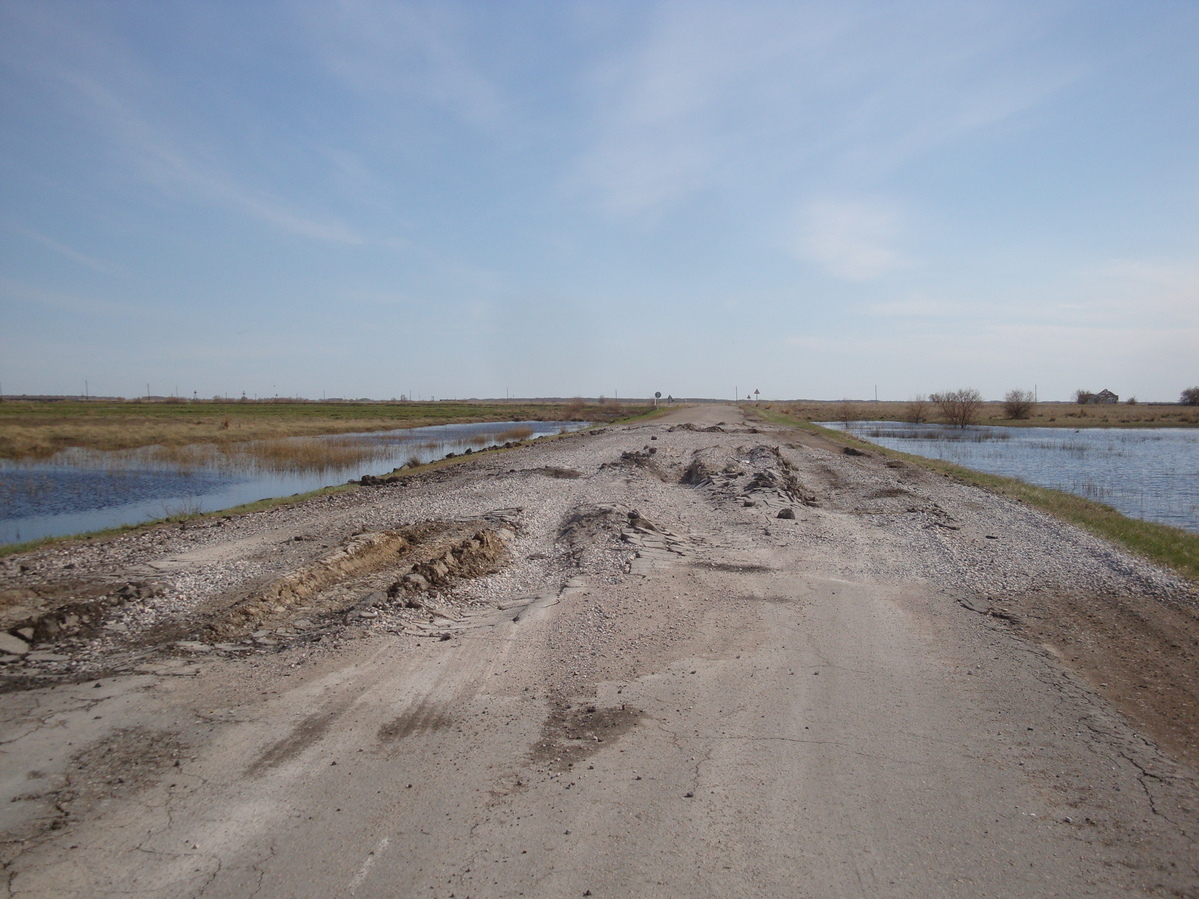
694, 656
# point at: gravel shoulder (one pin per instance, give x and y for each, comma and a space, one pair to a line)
695, 656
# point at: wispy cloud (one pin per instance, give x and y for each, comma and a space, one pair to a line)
158, 159
16, 292
914, 307
1165, 289
94, 77
851, 239
711, 95
103, 266
419, 51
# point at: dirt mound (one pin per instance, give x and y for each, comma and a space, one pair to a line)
642, 460
483, 553
591, 529
564, 474
428, 556
774, 474
698, 474
360, 554
750, 473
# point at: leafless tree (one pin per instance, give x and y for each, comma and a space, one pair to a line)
916, 411
1190, 397
958, 407
1082, 397
1018, 404
847, 413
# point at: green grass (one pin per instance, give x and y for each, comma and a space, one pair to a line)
1160, 543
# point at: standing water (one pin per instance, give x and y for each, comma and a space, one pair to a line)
77, 491
1152, 474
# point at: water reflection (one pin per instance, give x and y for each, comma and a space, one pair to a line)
79, 490
1152, 473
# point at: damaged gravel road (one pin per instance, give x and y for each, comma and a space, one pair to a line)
696, 656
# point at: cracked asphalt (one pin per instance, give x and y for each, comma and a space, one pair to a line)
903, 687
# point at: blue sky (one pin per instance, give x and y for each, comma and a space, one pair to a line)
550, 198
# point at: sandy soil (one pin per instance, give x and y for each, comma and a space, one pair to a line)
693, 657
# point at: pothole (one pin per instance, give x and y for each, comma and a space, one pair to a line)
571, 733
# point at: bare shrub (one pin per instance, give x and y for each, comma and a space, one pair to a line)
958, 407
1190, 397
847, 413
1018, 404
519, 432
1082, 397
917, 410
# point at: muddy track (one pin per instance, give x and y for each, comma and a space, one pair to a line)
700, 656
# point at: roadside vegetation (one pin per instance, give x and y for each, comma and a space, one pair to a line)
31, 429
291, 455
959, 408
1018, 405
922, 409
180, 516
1165, 545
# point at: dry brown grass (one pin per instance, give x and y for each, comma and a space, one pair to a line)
292, 455
520, 432
1060, 415
30, 429
46, 438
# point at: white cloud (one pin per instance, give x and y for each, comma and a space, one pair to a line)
851, 239
712, 95
103, 266
158, 159
1134, 289
71, 303
411, 50
93, 76
914, 307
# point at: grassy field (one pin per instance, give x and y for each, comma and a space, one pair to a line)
1044, 415
1169, 546
29, 429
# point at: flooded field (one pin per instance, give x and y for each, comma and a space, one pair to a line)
1152, 474
77, 491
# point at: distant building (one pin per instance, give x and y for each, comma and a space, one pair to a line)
1104, 396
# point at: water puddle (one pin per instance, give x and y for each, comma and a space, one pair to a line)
77, 491
1151, 473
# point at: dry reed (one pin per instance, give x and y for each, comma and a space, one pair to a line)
520, 432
